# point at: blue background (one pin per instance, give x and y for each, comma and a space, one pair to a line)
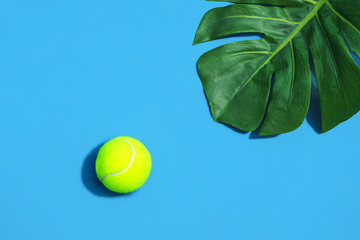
76, 73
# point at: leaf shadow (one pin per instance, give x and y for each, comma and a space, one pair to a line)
234, 128
91, 181
313, 116
255, 134
243, 36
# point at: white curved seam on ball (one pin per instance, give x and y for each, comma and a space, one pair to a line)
127, 168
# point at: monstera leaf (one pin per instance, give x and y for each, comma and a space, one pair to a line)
237, 77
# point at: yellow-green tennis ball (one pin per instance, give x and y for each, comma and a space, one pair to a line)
123, 164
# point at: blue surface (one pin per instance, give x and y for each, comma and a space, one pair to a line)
76, 73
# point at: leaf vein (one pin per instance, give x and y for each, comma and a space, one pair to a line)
250, 52
256, 17
311, 1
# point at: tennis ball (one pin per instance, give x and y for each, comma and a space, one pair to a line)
123, 164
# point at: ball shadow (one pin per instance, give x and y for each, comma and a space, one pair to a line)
89, 178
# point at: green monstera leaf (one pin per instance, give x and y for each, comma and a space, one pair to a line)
237, 77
